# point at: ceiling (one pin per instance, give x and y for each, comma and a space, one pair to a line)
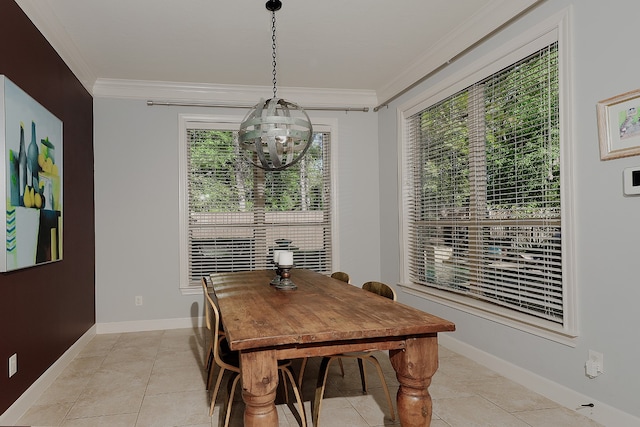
359, 45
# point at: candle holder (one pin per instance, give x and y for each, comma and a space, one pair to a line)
285, 283
276, 258
277, 277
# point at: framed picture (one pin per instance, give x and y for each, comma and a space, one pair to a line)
31, 181
619, 125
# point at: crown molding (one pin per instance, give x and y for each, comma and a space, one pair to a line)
466, 34
228, 94
44, 18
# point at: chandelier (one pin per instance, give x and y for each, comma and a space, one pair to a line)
275, 133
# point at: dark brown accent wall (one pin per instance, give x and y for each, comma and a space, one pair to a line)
45, 309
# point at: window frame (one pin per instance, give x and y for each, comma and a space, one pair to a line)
224, 122
556, 28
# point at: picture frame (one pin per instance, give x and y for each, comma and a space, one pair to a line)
31, 180
619, 125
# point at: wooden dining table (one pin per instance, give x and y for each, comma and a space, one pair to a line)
323, 316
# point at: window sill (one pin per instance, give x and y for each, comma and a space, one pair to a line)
529, 324
191, 290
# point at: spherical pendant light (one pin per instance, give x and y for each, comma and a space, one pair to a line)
275, 133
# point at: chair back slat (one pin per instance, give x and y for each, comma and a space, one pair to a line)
381, 289
215, 332
207, 309
341, 275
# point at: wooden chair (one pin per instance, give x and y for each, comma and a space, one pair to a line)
340, 275
208, 355
344, 277
228, 360
382, 290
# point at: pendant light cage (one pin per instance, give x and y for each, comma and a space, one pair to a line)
275, 133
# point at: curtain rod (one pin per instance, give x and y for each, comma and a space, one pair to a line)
205, 104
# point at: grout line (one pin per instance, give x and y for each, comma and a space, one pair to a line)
343, 384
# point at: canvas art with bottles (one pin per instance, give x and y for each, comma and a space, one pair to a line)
32, 180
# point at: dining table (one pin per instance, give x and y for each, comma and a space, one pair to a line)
323, 316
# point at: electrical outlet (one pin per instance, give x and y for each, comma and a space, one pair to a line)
13, 365
595, 364
139, 300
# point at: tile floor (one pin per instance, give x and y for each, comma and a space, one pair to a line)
156, 379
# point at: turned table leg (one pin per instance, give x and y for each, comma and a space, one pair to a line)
259, 383
415, 365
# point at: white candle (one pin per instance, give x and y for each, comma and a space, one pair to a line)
276, 255
285, 258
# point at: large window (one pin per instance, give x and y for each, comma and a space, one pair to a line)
482, 199
235, 214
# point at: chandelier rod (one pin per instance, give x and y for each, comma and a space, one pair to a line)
152, 103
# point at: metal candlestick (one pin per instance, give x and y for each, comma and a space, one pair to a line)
285, 283
277, 277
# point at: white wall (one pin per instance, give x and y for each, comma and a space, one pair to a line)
136, 199
605, 64
137, 214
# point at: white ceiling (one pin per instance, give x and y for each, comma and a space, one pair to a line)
363, 45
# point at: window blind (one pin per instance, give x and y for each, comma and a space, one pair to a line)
238, 214
484, 190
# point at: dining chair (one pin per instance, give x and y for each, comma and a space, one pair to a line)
343, 277
228, 360
381, 289
208, 356
209, 353
361, 356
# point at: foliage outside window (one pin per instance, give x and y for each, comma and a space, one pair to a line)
238, 214
483, 201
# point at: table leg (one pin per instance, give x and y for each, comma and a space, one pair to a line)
259, 384
415, 365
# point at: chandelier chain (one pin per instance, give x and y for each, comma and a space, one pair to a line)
276, 133
273, 49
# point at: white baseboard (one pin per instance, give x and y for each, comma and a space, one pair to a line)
148, 325
601, 412
31, 395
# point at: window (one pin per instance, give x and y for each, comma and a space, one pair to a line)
235, 214
482, 194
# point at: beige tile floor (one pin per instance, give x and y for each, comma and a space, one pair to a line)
156, 379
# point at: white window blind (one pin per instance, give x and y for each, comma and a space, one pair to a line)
238, 214
483, 196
